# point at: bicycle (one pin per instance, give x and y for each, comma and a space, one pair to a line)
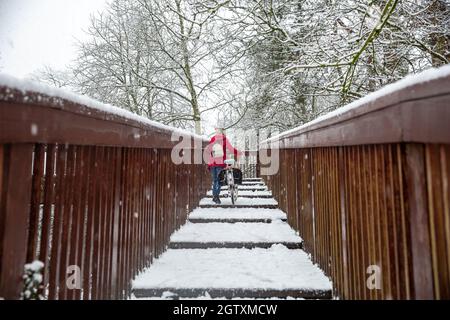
232, 187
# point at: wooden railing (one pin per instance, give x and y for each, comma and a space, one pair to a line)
86, 188
369, 192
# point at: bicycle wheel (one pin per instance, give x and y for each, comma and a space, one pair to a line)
235, 194
232, 194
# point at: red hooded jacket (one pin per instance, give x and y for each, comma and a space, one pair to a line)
226, 145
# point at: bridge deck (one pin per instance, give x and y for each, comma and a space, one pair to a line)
245, 251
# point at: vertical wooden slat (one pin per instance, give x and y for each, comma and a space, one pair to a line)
36, 198
439, 251
445, 176
90, 212
55, 260
79, 180
80, 212
66, 208
3, 175
116, 246
47, 221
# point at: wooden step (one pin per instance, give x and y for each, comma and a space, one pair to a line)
250, 196
252, 183
248, 188
267, 203
244, 194
235, 235
226, 293
232, 245
244, 215
253, 179
261, 206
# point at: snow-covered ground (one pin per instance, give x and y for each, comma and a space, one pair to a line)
244, 213
276, 268
276, 231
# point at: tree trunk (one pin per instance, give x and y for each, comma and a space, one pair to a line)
188, 73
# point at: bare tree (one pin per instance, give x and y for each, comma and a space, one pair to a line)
161, 59
54, 78
312, 56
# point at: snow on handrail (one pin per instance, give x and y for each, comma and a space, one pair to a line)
336, 115
27, 86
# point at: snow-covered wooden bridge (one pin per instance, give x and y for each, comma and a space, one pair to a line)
361, 207
245, 250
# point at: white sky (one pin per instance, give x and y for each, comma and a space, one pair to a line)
38, 33
34, 33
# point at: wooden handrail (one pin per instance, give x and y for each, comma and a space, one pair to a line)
415, 112
37, 117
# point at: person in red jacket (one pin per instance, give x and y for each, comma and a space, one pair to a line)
217, 154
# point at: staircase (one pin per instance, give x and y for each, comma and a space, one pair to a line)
245, 250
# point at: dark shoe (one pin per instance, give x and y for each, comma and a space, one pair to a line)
216, 199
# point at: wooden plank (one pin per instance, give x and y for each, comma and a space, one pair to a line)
445, 170
55, 258
343, 218
66, 122
265, 206
80, 194
48, 210
15, 209
418, 114
233, 220
437, 223
66, 210
3, 175
36, 197
118, 182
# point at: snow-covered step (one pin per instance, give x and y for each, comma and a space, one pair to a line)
245, 194
230, 273
268, 203
253, 179
232, 215
253, 183
234, 235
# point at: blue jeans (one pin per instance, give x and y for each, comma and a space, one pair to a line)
215, 177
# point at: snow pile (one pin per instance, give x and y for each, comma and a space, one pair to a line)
276, 268
236, 232
32, 281
408, 81
27, 86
